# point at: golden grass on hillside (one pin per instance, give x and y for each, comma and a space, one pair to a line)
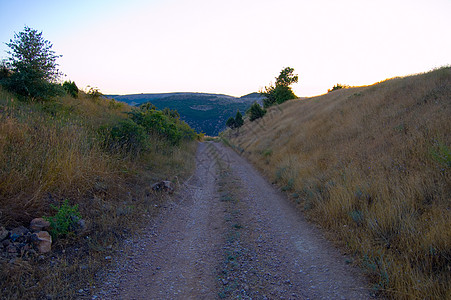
44, 151
372, 165
53, 151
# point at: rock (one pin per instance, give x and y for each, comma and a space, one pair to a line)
38, 224
18, 232
43, 241
165, 185
3, 233
81, 226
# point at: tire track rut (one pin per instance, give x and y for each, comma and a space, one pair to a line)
230, 234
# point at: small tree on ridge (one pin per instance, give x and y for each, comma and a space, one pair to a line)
236, 122
33, 66
281, 91
239, 119
255, 112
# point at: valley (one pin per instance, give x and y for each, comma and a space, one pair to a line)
204, 112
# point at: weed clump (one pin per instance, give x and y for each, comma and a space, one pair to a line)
66, 220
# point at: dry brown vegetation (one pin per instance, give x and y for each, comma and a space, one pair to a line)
53, 151
372, 166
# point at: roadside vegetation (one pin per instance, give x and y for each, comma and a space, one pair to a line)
371, 165
236, 122
70, 155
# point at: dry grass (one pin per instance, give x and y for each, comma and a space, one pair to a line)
371, 165
52, 151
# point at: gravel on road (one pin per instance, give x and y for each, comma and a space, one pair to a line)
228, 233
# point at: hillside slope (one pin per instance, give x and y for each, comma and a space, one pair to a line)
90, 153
205, 113
372, 166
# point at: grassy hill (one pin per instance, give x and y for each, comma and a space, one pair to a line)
205, 113
372, 166
88, 152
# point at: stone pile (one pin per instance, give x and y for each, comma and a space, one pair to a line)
23, 242
165, 186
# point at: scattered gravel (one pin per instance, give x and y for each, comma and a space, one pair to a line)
252, 245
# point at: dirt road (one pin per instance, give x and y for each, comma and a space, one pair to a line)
230, 234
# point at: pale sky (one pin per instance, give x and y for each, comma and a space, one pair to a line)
234, 47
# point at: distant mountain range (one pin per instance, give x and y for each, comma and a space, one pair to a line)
205, 113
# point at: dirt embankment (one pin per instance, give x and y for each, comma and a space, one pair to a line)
230, 234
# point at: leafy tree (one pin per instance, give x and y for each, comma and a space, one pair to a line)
281, 91
239, 119
231, 123
255, 112
71, 88
286, 77
33, 66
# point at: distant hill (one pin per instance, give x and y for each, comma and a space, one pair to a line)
206, 113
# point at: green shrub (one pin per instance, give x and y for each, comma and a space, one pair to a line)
164, 123
172, 113
154, 121
239, 119
231, 123
277, 95
338, 87
236, 122
65, 221
187, 132
113, 104
27, 88
133, 134
255, 112
71, 88
127, 136
94, 93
